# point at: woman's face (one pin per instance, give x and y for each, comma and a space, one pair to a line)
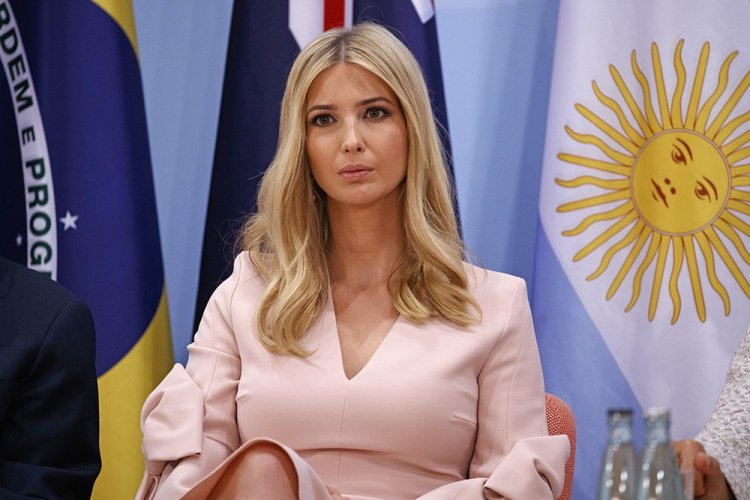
356, 138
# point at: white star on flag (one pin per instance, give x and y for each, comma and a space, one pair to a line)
69, 221
19, 240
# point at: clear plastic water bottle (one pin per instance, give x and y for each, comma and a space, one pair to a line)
659, 477
619, 472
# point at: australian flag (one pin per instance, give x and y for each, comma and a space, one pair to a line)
263, 42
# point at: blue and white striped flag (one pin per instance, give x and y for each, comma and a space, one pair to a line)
641, 290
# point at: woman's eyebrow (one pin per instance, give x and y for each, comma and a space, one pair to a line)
364, 102
324, 107
371, 100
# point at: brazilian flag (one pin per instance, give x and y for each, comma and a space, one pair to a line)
77, 197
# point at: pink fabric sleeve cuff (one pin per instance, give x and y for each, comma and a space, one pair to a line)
172, 420
534, 468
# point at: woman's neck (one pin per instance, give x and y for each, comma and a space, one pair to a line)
366, 246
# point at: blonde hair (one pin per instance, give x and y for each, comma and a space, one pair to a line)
287, 239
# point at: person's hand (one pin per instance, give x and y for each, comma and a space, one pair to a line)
708, 480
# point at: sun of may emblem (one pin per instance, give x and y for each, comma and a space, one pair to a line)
674, 187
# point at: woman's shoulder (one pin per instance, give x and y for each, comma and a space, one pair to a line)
240, 292
495, 291
484, 281
244, 276
245, 266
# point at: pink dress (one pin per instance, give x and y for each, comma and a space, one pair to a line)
438, 412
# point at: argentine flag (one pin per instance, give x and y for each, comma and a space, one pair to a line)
641, 290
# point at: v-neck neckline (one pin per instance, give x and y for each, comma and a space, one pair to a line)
330, 306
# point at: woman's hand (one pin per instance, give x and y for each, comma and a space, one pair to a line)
708, 480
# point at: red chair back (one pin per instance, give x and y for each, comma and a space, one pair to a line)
560, 420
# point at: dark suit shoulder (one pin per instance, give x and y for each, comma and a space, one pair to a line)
30, 301
48, 391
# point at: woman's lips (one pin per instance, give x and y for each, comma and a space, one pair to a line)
353, 172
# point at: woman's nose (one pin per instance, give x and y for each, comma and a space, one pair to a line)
352, 141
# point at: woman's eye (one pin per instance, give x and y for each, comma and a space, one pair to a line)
678, 156
376, 113
322, 120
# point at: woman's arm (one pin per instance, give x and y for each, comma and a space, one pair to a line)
189, 421
514, 457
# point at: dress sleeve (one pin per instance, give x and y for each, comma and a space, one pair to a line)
725, 435
189, 422
514, 457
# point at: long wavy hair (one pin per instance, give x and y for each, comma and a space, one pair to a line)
288, 237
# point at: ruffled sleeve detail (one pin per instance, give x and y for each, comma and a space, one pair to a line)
172, 420
172, 426
534, 468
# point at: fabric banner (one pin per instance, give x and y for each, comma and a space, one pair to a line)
641, 280
263, 41
77, 198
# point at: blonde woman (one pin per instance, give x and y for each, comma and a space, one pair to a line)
352, 353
